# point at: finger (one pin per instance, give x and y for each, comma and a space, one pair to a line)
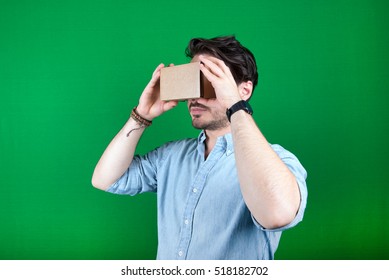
158, 69
170, 105
212, 66
207, 73
156, 75
221, 64
214, 60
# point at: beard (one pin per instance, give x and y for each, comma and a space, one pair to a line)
209, 125
218, 121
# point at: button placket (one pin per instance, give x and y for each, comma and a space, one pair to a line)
193, 198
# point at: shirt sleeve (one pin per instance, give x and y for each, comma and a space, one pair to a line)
294, 165
140, 177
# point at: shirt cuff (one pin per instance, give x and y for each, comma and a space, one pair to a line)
300, 213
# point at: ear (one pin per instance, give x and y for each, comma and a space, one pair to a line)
245, 90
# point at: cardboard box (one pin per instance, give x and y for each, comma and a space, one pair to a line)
184, 82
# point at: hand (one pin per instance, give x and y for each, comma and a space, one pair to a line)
150, 104
218, 73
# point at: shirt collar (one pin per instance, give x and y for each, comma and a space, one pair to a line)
225, 141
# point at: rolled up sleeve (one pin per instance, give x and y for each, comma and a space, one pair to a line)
140, 176
300, 174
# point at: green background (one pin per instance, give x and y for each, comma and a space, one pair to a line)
71, 71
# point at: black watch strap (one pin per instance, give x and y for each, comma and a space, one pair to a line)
240, 105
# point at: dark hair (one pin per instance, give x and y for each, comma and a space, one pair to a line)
238, 58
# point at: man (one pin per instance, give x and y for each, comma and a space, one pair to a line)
227, 194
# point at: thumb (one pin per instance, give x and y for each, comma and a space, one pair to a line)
170, 105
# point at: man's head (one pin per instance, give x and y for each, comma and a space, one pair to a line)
238, 58
209, 114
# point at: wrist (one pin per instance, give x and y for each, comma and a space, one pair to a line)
143, 113
230, 102
240, 105
139, 118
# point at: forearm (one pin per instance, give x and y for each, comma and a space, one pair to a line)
120, 152
268, 187
118, 156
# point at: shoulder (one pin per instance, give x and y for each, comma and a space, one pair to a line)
170, 151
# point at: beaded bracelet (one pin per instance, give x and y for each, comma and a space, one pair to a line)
139, 119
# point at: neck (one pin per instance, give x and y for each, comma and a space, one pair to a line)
212, 136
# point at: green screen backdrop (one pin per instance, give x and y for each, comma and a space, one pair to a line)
71, 71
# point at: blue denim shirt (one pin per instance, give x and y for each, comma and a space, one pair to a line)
201, 211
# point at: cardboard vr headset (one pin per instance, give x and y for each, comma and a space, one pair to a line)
184, 82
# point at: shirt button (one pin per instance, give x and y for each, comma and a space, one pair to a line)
195, 190
180, 253
186, 222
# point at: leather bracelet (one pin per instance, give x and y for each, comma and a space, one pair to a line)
139, 119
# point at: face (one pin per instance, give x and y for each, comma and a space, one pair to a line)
207, 114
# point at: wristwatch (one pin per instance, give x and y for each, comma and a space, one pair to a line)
240, 105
